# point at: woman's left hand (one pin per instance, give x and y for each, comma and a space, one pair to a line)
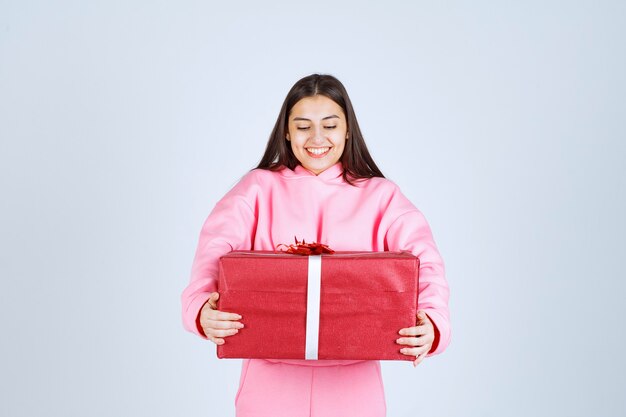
420, 338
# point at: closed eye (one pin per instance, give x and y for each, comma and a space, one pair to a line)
306, 128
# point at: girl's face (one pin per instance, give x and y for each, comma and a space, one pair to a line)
317, 130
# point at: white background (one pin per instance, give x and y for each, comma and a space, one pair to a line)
122, 123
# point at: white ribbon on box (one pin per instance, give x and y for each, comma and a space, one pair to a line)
313, 307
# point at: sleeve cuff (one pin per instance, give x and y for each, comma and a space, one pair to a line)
192, 317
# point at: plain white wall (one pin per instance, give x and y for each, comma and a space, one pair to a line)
122, 123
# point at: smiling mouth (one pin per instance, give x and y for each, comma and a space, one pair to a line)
318, 152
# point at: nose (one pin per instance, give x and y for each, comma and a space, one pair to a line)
318, 136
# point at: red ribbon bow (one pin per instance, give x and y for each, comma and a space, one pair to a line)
302, 248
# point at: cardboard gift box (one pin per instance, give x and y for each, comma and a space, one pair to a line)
345, 305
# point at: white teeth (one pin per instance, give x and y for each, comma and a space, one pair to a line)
318, 151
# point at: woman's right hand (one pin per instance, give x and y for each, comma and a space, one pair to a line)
218, 324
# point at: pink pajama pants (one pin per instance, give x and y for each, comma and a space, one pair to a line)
271, 389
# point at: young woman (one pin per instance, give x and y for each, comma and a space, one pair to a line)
316, 181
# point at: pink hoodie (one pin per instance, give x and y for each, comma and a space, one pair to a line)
266, 208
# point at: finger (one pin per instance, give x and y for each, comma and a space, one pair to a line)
216, 340
417, 340
221, 333
414, 331
221, 324
412, 341
415, 351
419, 359
222, 315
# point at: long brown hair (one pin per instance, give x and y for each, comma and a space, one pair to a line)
356, 160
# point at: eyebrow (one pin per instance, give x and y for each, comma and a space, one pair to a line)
308, 120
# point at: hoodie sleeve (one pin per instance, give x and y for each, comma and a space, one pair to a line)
410, 231
230, 226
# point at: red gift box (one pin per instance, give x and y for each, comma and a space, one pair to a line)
362, 300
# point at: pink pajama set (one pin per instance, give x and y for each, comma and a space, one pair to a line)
266, 208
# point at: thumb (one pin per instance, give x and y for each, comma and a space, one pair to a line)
421, 315
213, 300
